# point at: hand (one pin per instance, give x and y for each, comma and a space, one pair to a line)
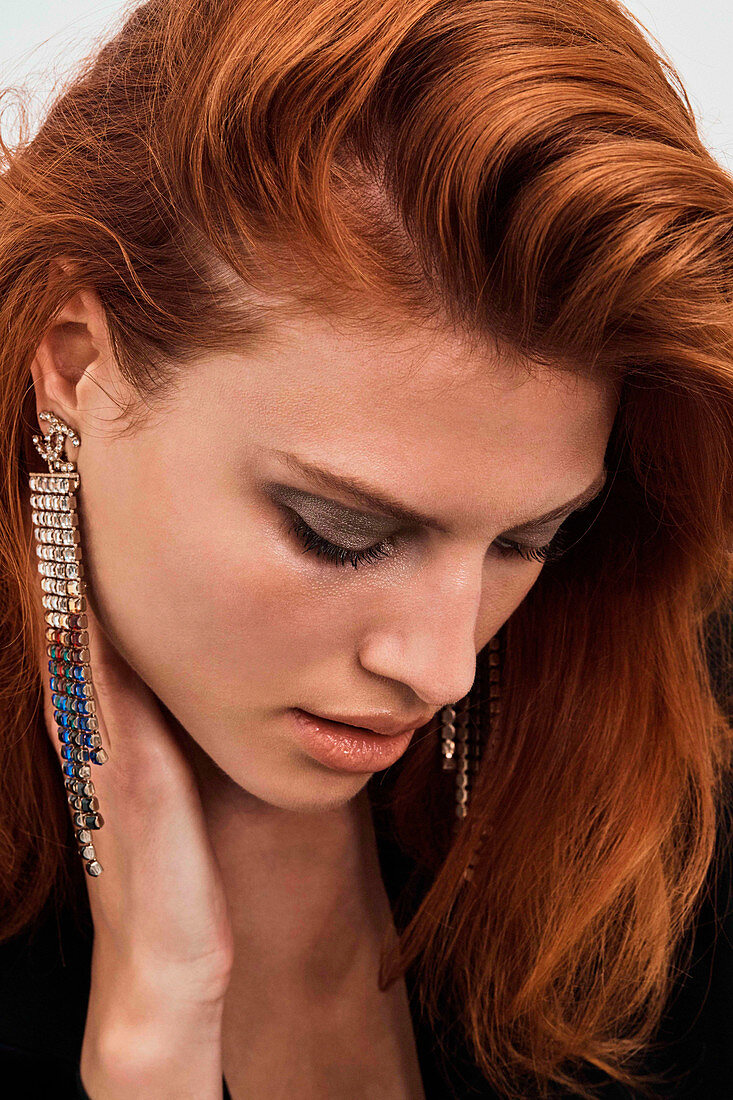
163, 947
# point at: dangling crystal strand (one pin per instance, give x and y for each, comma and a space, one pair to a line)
448, 737
474, 739
494, 658
55, 527
462, 772
494, 696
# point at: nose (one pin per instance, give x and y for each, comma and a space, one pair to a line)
424, 634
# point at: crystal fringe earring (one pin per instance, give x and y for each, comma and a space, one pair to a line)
56, 530
463, 725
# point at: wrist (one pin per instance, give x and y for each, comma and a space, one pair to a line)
157, 1046
120, 1062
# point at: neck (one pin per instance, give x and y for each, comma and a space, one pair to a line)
307, 903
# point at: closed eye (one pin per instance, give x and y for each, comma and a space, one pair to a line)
334, 554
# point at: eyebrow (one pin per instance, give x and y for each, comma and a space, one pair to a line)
369, 496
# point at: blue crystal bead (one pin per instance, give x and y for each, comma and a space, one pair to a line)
72, 705
72, 752
83, 723
64, 687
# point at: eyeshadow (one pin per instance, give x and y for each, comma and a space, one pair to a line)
336, 518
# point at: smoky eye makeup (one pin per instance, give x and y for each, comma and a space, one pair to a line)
331, 519
341, 534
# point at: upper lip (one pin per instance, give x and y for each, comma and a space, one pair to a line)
376, 723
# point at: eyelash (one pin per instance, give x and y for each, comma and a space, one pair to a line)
341, 555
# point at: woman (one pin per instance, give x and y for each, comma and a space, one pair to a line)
371, 364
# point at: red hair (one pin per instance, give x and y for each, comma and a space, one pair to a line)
525, 172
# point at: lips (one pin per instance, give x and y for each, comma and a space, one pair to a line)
372, 724
341, 746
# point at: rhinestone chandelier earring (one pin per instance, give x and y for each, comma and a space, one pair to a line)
469, 733
56, 531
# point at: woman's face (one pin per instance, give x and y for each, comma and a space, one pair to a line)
198, 578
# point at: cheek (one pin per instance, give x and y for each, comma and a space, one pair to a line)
217, 610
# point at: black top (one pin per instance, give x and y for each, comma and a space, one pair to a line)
44, 987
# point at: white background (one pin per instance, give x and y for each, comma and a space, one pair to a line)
43, 40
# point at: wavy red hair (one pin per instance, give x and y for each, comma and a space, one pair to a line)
524, 171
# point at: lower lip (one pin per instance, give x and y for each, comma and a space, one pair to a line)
347, 748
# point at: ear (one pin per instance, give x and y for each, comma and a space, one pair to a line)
75, 341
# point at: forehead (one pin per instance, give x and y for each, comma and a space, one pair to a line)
418, 408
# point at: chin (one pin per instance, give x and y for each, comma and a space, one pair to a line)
310, 792
285, 781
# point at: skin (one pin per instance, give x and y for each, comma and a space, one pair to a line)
198, 584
